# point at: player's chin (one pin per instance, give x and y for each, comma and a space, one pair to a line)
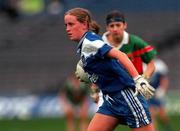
70, 37
73, 39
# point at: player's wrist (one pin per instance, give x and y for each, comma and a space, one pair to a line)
146, 77
137, 77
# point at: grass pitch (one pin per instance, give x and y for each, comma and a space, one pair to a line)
58, 124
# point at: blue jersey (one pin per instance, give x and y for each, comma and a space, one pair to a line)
107, 73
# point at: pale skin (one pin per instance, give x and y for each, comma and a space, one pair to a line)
74, 28
75, 31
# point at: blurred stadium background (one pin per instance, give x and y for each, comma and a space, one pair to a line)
36, 56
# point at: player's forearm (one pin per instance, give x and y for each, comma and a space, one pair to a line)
124, 60
149, 70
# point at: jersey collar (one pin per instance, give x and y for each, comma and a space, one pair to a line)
80, 43
125, 39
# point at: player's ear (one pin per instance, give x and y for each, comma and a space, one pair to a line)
85, 24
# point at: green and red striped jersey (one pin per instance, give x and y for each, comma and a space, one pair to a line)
136, 49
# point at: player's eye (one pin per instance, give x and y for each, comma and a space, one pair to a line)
111, 26
70, 24
118, 25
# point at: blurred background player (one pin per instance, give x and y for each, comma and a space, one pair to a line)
160, 81
74, 99
136, 48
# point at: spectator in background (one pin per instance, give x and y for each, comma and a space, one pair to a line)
160, 81
10, 8
54, 7
74, 97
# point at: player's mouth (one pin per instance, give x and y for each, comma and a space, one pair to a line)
115, 33
69, 34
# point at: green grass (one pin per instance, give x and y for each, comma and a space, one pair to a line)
33, 125
57, 124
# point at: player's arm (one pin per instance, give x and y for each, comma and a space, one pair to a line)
124, 60
141, 84
147, 56
149, 70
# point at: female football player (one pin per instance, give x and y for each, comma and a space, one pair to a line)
124, 90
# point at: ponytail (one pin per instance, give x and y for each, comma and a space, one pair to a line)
94, 26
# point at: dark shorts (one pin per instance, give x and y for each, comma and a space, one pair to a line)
130, 110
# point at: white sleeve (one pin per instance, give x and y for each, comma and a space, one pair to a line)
92, 48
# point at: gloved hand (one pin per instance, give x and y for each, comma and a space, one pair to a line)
80, 73
143, 87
